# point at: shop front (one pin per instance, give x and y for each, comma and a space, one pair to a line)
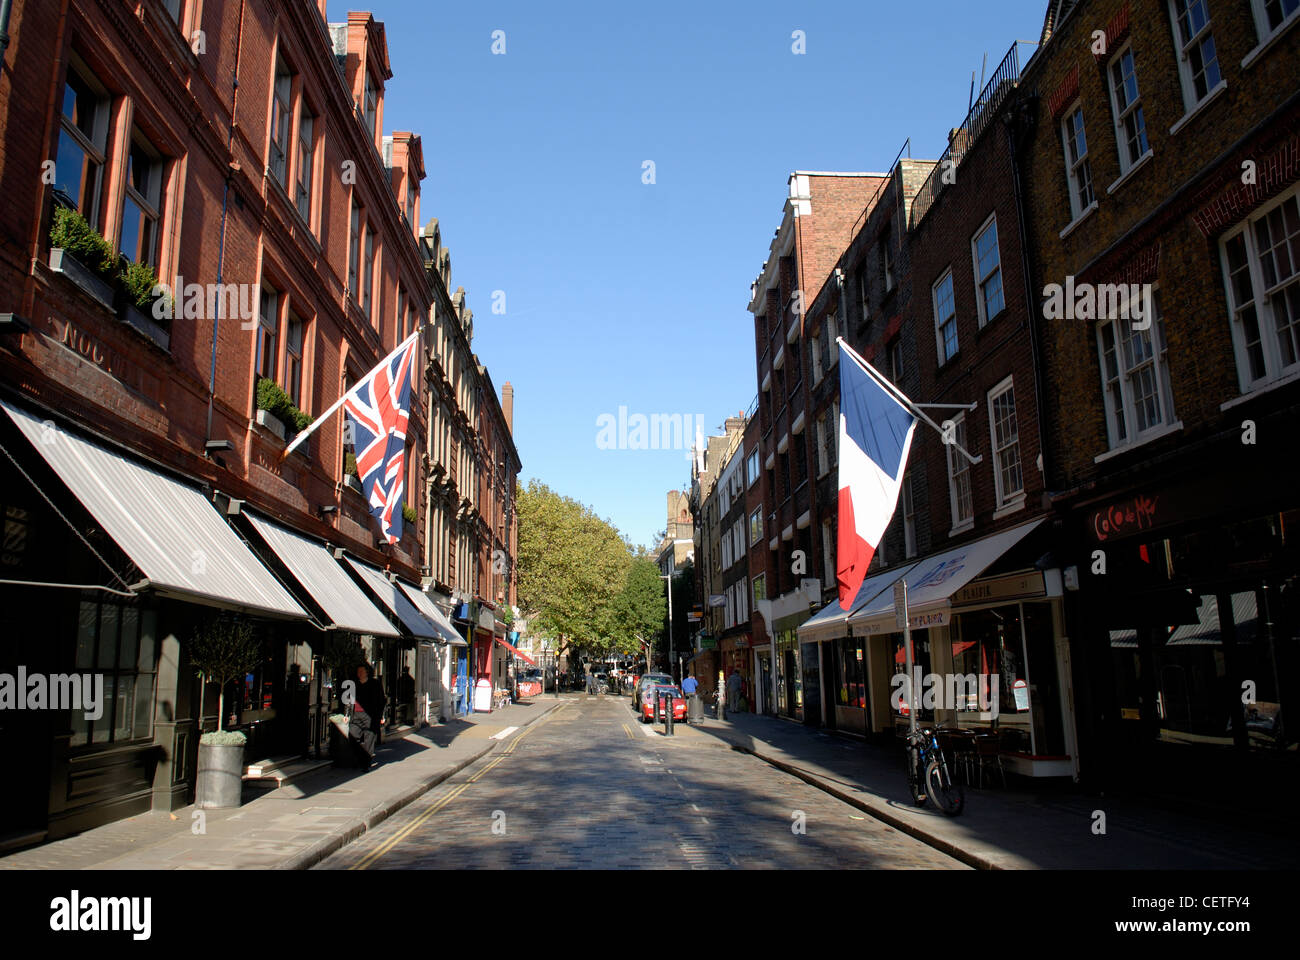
989, 652
1192, 636
78, 512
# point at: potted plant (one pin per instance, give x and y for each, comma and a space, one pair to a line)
222, 648
81, 254
408, 513
139, 307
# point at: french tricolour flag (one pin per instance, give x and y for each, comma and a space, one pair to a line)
875, 437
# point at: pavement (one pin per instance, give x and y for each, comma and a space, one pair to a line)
299, 824
1027, 825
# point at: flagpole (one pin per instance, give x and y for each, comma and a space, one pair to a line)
303, 435
902, 398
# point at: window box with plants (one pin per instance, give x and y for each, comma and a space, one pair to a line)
350, 478
82, 255
277, 412
140, 308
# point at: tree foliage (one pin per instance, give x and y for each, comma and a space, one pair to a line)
222, 648
579, 579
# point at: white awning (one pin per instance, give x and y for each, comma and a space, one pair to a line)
934, 580
395, 600
169, 529
313, 566
424, 603
832, 620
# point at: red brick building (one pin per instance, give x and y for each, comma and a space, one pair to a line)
236, 151
1167, 157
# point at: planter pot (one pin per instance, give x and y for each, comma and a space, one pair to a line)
65, 263
146, 325
271, 422
220, 778
350, 481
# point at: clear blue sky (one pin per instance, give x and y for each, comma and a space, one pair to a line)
620, 293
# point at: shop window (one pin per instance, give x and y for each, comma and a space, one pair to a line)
83, 138
851, 672
116, 640
990, 643
1198, 60
921, 659
1261, 262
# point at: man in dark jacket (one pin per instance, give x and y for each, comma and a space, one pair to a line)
367, 714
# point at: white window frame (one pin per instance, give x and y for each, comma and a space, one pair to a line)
1005, 497
980, 281
822, 465
1123, 381
833, 435
1181, 48
1074, 184
864, 291
756, 515
959, 467
752, 467
761, 578
1122, 113
940, 323
1264, 302
832, 334
1262, 28
817, 356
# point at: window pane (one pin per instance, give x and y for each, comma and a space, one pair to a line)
130, 636
108, 625
104, 725
72, 170
86, 619
124, 708
148, 624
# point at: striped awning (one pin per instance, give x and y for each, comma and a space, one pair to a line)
315, 568
169, 528
391, 595
424, 603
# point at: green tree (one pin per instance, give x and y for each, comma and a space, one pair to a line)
640, 608
222, 648
572, 565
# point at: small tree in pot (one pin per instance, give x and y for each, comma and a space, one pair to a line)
341, 654
222, 648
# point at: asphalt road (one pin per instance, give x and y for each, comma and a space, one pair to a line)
588, 786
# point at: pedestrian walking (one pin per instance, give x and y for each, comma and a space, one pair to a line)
694, 708
367, 716
733, 691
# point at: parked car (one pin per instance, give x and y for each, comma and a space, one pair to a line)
652, 707
646, 680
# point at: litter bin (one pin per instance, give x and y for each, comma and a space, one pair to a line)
695, 709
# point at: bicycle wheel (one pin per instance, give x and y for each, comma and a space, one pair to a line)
915, 788
948, 796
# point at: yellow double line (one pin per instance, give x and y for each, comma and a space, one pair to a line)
443, 801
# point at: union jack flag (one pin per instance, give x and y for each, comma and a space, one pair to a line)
377, 409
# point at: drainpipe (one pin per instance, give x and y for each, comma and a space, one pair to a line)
225, 198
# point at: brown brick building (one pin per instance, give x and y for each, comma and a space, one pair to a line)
236, 151
1164, 154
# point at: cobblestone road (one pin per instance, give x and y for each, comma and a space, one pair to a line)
588, 786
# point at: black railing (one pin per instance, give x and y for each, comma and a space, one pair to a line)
980, 116
885, 181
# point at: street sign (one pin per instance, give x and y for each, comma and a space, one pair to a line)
717, 600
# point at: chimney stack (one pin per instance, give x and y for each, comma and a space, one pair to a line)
508, 406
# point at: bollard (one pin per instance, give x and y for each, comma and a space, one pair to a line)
668, 715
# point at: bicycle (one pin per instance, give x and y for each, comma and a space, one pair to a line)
928, 775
